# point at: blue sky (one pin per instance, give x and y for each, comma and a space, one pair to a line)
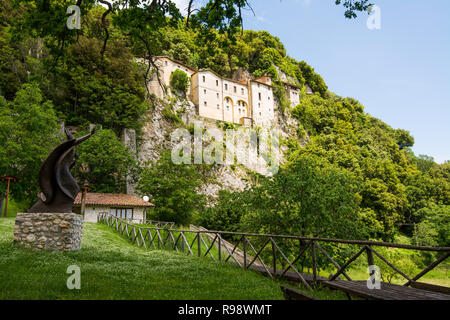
400, 73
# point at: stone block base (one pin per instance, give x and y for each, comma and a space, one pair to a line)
49, 231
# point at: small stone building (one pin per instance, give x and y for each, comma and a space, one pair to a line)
124, 206
293, 92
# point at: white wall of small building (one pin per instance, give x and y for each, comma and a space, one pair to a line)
294, 96
220, 99
262, 104
238, 93
92, 212
210, 98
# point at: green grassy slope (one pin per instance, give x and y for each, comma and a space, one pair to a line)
112, 268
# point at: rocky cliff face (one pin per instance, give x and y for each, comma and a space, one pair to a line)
174, 112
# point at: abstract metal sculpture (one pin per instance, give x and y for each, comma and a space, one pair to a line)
58, 187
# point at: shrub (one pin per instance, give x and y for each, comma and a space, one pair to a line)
169, 115
172, 189
179, 80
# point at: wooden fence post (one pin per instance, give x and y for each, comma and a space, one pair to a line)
245, 253
314, 261
274, 258
199, 244
220, 247
182, 241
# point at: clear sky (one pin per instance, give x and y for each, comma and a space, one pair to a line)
400, 73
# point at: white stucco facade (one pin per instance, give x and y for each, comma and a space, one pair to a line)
91, 213
220, 98
293, 94
262, 103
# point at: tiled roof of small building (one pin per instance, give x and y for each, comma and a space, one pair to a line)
291, 85
113, 199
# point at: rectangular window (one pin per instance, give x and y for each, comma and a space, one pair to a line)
204, 91
218, 97
122, 213
206, 103
129, 213
226, 86
259, 95
217, 83
204, 79
242, 91
235, 89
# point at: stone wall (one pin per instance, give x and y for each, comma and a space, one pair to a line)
49, 231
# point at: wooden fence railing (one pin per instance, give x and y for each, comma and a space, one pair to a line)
158, 224
253, 248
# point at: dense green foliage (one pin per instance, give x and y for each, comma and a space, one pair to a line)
307, 198
372, 157
172, 189
104, 163
356, 177
28, 131
179, 80
108, 92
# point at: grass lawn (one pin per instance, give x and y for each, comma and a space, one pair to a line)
13, 208
112, 268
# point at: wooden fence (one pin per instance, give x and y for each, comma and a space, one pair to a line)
253, 248
158, 224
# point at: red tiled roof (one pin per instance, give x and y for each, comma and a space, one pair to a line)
291, 85
113, 199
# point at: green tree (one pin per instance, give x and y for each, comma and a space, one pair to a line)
424, 163
434, 230
226, 214
404, 138
104, 163
29, 130
89, 90
179, 80
173, 189
307, 198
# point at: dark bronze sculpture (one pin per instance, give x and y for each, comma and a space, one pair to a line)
58, 187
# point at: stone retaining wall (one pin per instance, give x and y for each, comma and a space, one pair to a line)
49, 231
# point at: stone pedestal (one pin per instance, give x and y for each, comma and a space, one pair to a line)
49, 231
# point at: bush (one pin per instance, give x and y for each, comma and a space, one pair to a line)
179, 80
169, 115
225, 215
172, 189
